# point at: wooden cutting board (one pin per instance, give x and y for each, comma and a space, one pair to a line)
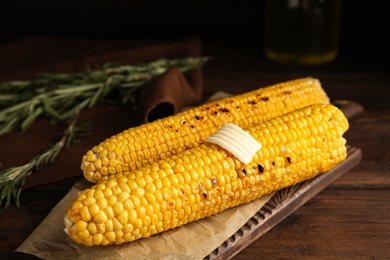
288, 200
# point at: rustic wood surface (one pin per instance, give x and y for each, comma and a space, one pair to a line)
348, 219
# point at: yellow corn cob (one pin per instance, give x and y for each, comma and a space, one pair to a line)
149, 142
207, 179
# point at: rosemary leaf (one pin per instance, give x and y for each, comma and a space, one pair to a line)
11, 183
50, 110
9, 125
30, 117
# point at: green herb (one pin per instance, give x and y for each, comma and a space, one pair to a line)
61, 97
13, 179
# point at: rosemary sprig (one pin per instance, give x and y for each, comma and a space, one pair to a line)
58, 95
61, 97
13, 179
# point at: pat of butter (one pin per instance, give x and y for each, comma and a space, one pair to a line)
236, 140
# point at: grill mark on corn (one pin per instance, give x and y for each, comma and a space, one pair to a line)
288, 159
165, 137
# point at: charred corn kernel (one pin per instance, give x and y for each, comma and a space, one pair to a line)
213, 189
152, 141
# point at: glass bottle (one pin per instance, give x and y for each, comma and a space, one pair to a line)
304, 32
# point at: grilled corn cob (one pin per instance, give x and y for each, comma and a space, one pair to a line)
208, 179
149, 142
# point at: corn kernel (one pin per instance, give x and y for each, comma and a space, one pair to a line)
84, 214
110, 236
100, 217
97, 239
84, 234
93, 209
108, 212
92, 228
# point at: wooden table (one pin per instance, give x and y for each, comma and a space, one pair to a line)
349, 219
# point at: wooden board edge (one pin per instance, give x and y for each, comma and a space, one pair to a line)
281, 205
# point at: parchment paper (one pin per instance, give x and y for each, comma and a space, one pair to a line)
194, 240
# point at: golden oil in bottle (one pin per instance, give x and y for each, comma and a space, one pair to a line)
304, 32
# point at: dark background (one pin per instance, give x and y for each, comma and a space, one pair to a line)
364, 30
232, 31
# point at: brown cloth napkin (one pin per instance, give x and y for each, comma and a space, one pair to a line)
26, 58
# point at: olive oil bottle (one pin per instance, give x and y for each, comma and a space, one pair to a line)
304, 32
